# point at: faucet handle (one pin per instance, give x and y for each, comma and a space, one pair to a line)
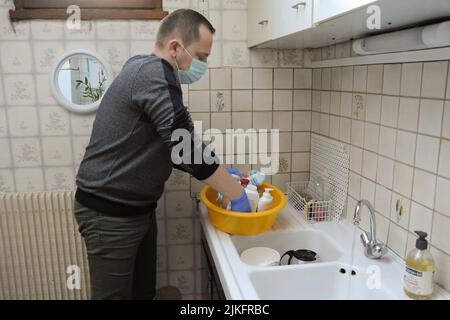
365, 239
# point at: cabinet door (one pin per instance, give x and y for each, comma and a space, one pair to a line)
327, 9
261, 23
293, 16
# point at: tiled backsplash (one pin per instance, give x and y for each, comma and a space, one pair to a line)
396, 120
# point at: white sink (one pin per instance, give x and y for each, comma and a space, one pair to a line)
282, 241
318, 282
329, 278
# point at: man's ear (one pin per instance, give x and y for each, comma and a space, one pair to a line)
172, 47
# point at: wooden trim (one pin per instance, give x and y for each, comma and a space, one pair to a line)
88, 14
92, 4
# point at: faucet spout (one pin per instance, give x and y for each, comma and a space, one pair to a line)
372, 248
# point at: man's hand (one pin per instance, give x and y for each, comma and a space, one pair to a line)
241, 204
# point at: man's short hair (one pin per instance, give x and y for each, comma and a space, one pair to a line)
184, 23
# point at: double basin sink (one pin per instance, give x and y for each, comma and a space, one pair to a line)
341, 272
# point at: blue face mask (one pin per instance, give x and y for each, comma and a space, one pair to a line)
195, 72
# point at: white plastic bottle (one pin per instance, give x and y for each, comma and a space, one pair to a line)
253, 196
265, 200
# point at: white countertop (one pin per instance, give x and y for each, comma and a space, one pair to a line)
235, 275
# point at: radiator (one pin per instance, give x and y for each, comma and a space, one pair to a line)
41, 251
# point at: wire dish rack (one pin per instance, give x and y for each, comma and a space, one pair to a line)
311, 200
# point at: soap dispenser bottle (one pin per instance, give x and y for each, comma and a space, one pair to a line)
419, 271
265, 200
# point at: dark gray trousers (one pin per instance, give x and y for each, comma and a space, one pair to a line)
121, 253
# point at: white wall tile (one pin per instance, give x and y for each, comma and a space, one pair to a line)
375, 78
241, 100
391, 79
424, 187
326, 79
444, 159
356, 157
336, 79
5, 156
221, 121
283, 78
26, 152
19, 90
59, 178
388, 138
406, 147
302, 78
300, 161
335, 102
440, 237
411, 79
383, 200
23, 121
262, 78
408, 114
242, 78
325, 102
430, 117
370, 162
291, 58
317, 79
334, 127
360, 79
346, 104
301, 121
220, 79
57, 151
403, 178
235, 54
286, 141
114, 52
15, 57
79, 144
389, 110
347, 78
262, 100
442, 196
29, 179
264, 58
45, 55
301, 141
302, 100
143, 29
345, 129
112, 30
373, 108
282, 120
357, 135
85, 32
324, 124
315, 100
262, 120
81, 124
397, 239
181, 257
368, 190
434, 77
354, 185
427, 153
3, 123
282, 99
446, 128
6, 180
442, 273
234, 25
44, 92
220, 101
199, 101
421, 218
47, 29
54, 121
371, 136
400, 217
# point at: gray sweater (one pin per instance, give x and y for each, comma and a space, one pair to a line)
128, 158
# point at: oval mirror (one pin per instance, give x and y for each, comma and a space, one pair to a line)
79, 80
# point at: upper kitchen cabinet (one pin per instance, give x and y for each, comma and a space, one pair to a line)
292, 16
261, 21
272, 19
327, 9
289, 24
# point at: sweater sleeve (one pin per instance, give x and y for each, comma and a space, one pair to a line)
157, 92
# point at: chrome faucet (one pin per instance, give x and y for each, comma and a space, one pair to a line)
372, 248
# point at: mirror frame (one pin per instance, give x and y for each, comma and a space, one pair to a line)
76, 108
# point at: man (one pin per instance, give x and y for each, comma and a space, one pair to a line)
128, 159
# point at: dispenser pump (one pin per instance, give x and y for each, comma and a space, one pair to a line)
421, 242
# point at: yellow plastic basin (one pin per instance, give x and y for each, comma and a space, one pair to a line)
238, 223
